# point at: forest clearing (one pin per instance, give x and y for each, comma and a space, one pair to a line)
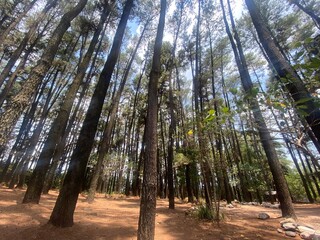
116, 218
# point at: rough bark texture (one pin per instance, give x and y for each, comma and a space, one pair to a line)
20, 102
290, 79
62, 215
58, 127
265, 137
147, 216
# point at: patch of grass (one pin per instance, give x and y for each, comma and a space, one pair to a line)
203, 212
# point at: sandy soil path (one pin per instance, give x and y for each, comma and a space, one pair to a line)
116, 218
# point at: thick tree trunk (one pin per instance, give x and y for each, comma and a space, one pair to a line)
147, 216
10, 117
62, 214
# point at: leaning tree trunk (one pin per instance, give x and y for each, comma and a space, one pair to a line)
291, 80
62, 215
147, 216
265, 137
58, 126
10, 117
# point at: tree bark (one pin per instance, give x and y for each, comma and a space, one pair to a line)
58, 127
265, 137
62, 215
147, 216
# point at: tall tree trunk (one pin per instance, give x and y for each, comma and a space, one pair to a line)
204, 165
147, 216
265, 137
289, 77
58, 127
62, 214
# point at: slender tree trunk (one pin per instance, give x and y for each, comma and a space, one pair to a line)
62, 214
265, 137
147, 216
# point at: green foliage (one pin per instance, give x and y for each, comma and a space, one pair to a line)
295, 185
204, 213
180, 159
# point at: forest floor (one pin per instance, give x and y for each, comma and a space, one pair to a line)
116, 217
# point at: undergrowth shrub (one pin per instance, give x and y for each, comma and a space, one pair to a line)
203, 212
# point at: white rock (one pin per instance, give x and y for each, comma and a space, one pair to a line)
275, 206
289, 226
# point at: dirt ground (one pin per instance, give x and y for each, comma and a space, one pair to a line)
117, 218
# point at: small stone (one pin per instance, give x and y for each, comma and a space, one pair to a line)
289, 226
280, 230
290, 234
230, 206
263, 216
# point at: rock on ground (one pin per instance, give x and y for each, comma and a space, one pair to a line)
263, 216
